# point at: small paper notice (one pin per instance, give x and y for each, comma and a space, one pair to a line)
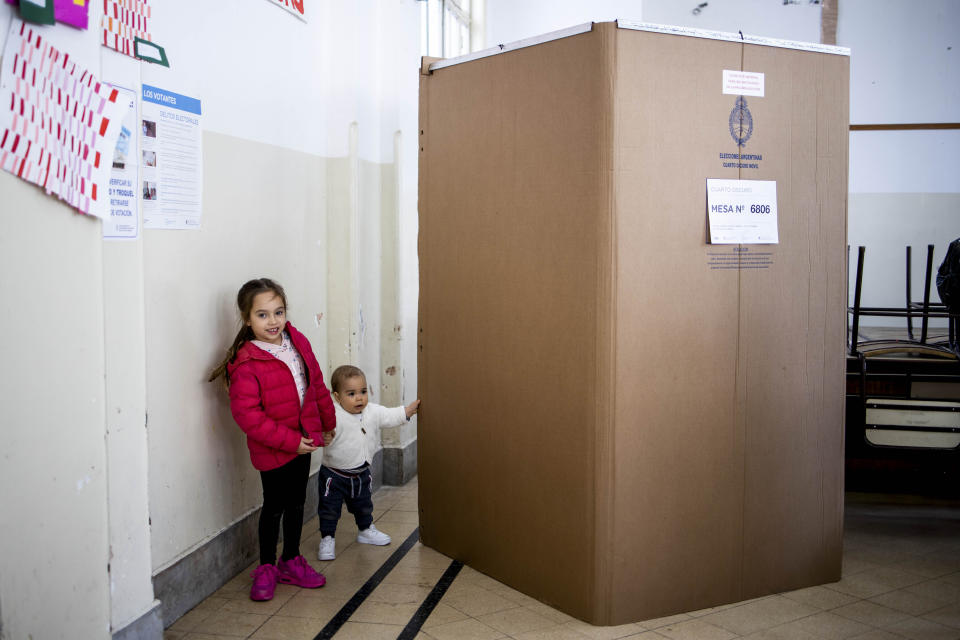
742, 211
742, 83
123, 223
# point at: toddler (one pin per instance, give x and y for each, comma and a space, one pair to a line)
345, 473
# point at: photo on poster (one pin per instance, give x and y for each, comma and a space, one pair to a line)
149, 190
122, 151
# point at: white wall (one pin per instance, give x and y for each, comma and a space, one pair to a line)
508, 21
770, 19
904, 185
904, 64
266, 76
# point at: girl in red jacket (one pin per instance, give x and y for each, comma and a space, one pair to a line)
278, 398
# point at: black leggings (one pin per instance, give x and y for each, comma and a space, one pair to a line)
284, 492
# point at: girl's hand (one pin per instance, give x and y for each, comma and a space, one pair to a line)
328, 437
412, 408
306, 445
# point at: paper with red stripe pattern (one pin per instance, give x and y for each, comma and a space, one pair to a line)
58, 123
122, 21
296, 7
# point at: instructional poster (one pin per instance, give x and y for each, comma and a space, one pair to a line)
171, 160
123, 223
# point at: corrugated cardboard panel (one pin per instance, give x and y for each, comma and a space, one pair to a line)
679, 450
514, 213
619, 418
792, 322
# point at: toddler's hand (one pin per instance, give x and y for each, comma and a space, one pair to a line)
412, 408
328, 436
306, 445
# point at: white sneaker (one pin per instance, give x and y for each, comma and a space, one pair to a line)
371, 535
327, 548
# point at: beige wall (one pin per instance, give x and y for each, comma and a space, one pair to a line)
152, 318
271, 212
167, 307
53, 475
263, 216
126, 433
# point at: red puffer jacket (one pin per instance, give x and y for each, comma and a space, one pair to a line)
265, 403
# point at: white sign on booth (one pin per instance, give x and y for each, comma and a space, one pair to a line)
742, 211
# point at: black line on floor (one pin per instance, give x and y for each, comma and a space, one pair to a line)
413, 627
354, 603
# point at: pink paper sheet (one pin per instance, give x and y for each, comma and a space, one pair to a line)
72, 12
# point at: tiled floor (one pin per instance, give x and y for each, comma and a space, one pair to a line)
901, 579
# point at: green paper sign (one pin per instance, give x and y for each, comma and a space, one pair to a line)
37, 11
149, 51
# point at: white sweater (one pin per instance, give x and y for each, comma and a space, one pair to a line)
358, 435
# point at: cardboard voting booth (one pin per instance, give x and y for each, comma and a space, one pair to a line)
632, 393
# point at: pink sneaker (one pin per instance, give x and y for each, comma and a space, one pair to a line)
264, 582
298, 572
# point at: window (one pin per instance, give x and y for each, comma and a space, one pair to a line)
447, 27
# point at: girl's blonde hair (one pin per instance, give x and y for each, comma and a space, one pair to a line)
250, 290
